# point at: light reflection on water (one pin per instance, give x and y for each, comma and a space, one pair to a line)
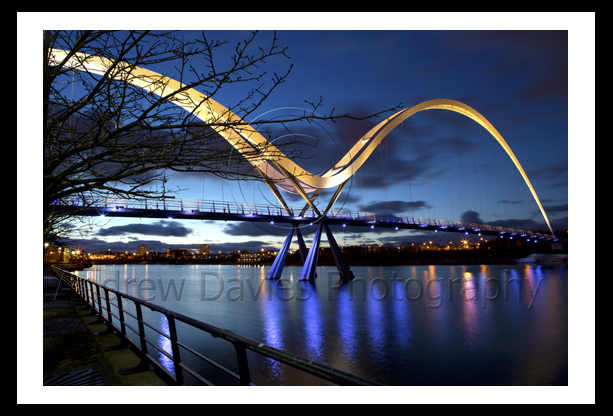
400, 325
165, 344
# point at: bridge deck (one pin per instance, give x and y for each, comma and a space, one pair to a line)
227, 211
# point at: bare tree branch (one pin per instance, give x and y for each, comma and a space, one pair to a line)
102, 135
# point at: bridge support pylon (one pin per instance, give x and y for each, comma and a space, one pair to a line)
309, 257
277, 267
310, 264
341, 264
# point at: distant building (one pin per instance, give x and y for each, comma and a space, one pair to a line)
179, 253
143, 250
55, 254
258, 257
205, 249
104, 255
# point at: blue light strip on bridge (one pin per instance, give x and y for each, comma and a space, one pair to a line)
218, 211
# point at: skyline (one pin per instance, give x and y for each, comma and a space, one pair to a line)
517, 80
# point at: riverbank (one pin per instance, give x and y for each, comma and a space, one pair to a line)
379, 259
77, 350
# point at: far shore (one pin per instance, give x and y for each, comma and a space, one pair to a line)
531, 259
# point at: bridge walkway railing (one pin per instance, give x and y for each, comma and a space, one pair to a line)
131, 324
255, 210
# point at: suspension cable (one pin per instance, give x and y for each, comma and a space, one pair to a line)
361, 192
429, 186
500, 193
489, 182
384, 175
477, 186
511, 201
462, 181
522, 208
446, 174
408, 168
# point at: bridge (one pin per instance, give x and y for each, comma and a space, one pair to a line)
298, 217
281, 173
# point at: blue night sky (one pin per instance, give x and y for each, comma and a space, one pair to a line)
518, 79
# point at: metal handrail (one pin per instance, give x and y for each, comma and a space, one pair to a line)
253, 209
90, 292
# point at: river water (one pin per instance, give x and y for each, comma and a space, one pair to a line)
396, 325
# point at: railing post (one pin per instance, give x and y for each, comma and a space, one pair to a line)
86, 290
243, 364
79, 287
176, 356
99, 300
108, 305
121, 316
141, 328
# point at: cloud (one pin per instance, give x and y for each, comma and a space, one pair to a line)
160, 228
471, 217
550, 209
426, 147
395, 207
522, 224
559, 224
252, 246
527, 224
245, 229
249, 229
541, 53
98, 245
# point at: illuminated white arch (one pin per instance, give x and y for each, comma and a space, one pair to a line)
271, 162
363, 148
